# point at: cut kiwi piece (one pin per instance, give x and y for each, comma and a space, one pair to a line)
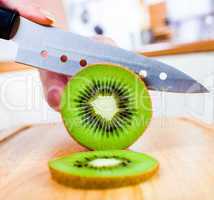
106, 106
103, 169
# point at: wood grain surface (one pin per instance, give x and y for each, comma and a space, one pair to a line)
184, 148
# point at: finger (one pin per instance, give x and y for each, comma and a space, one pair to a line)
36, 14
30, 11
53, 86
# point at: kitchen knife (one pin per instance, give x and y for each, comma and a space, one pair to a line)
63, 52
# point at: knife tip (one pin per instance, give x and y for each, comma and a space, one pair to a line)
198, 88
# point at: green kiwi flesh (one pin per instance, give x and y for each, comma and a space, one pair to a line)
105, 106
103, 169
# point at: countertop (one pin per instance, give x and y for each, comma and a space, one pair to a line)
170, 48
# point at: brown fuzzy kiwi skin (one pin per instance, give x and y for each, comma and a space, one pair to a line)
79, 182
110, 65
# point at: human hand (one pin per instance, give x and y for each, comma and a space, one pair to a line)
53, 83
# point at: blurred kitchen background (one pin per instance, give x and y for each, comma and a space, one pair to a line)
178, 32
136, 23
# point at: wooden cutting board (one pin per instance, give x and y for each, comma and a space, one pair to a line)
185, 149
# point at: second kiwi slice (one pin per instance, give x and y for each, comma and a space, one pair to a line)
106, 106
103, 169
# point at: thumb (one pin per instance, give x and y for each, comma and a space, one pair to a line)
30, 11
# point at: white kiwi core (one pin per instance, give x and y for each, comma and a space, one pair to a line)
105, 106
104, 162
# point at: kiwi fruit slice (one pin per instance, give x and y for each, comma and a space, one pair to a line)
105, 106
103, 169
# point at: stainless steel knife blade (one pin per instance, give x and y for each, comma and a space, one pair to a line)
32, 39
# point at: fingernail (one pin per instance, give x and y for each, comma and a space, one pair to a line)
48, 15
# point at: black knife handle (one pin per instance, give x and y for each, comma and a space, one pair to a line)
9, 23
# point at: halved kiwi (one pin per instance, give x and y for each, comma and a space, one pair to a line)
106, 107
103, 169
